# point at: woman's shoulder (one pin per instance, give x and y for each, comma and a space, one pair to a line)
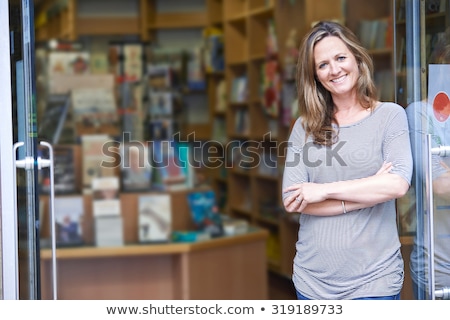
297, 124
297, 130
389, 107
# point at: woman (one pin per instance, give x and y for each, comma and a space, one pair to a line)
348, 159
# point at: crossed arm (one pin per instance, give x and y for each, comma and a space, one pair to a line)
325, 199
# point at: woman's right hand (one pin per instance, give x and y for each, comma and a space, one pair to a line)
385, 168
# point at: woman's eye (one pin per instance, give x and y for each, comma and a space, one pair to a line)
341, 58
322, 65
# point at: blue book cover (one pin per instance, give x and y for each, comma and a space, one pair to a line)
204, 212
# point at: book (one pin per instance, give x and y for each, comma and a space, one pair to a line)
239, 89
190, 236
271, 40
135, 167
288, 103
169, 174
105, 196
69, 212
115, 57
233, 226
68, 62
368, 33
106, 210
99, 63
213, 50
221, 96
161, 104
108, 231
63, 84
375, 34
183, 151
204, 212
94, 158
93, 107
195, 70
242, 122
132, 62
159, 76
219, 130
131, 109
290, 55
160, 129
154, 218
64, 68
168, 65
270, 87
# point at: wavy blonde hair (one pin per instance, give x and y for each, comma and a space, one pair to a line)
314, 101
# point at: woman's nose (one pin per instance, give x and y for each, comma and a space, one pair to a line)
334, 68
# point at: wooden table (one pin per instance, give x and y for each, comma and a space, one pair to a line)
230, 267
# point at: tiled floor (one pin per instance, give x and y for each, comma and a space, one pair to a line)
280, 288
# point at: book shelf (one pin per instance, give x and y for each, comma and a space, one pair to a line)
254, 191
372, 22
247, 191
62, 20
217, 99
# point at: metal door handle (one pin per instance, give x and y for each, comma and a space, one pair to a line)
443, 293
17, 164
442, 151
48, 163
430, 210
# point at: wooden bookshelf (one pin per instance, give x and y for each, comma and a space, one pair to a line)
246, 192
95, 26
378, 13
254, 195
60, 20
53, 20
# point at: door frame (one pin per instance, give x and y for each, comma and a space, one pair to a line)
8, 231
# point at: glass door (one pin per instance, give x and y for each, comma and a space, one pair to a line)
19, 161
422, 61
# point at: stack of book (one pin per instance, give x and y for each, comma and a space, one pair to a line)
106, 210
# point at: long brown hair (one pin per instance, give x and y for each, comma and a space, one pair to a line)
314, 101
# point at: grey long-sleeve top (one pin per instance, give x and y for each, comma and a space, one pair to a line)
356, 254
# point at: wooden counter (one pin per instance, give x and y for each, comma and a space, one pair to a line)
230, 267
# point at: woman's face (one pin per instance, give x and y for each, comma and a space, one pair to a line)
336, 66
